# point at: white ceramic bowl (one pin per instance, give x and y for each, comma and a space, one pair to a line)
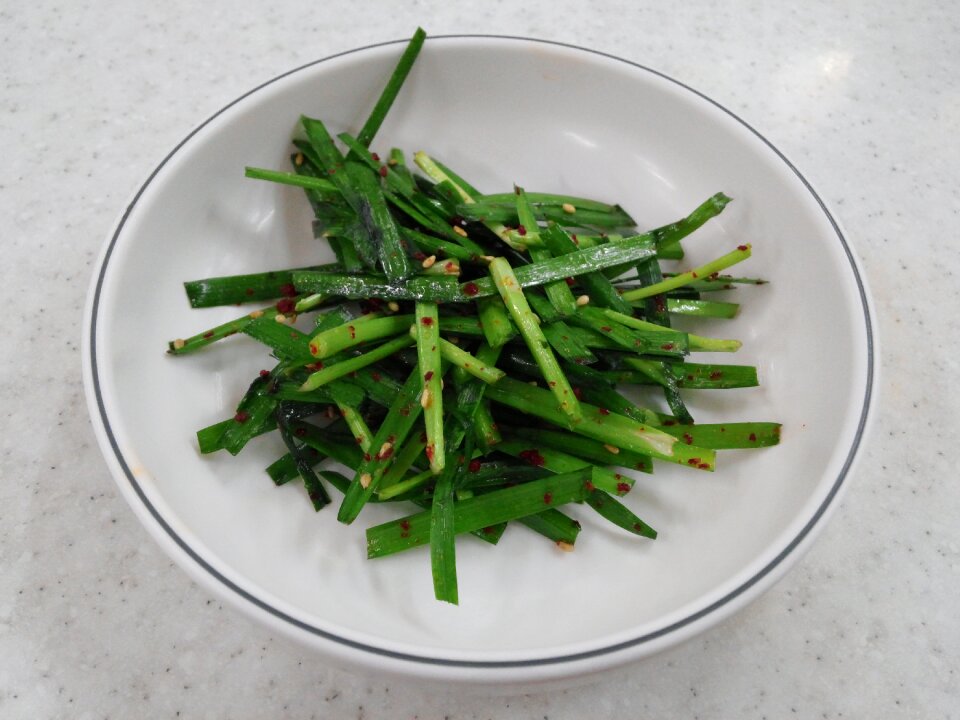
501, 110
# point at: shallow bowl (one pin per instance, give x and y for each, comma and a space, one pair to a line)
500, 110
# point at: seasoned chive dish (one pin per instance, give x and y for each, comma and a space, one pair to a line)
475, 357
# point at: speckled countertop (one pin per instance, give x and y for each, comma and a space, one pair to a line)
96, 622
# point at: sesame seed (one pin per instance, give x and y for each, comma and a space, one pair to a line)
583, 300
425, 398
459, 231
280, 318
179, 343
568, 208
533, 382
565, 546
487, 258
298, 160
430, 261
611, 449
393, 306
256, 313
385, 448
365, 480
392, 162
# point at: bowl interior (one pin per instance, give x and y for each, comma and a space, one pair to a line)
500, 112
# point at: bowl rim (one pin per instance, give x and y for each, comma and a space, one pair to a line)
202, 570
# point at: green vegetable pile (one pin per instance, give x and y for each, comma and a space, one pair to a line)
469, 349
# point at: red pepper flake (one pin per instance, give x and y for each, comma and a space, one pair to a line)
688, 438
553, 383
241, 417
532, 456
300, 432
637, 527
693, 461
660, 303
358, 440
383, 171
285, 306
606, 328
576, 241
288, 290
716, 375
383, 455
667, 346
589, 486
353, 332
423, 437
450, 266
429, 451
603, 411
668, 423
249, 292
375, 156
578, 393
264, 373
489, 530
208, 335
375, 375
689, 377
426, 321
722, 429
623, 487
313, 348
418, 255
428, 375
753, 437
474, 465
521, 230
471, 289
693, 274
547, 498
367, 457
570, 281
704, 466
742, 248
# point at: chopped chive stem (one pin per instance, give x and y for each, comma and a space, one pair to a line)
443, 551
406, 485
607, 427
403, 461
326, 188
552, 200
582, 447
561, 462
693, 376
392, 88
253, 287
482, 511
619, 514
696, 342
526, 323
681, 279
702, 308
495, 321
355, 332
345, 367
358, 427
470, 363
727, 436
426, 330
396, 426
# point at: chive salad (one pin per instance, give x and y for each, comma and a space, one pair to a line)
469, 352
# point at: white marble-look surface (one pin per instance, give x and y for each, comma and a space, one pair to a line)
95, 622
